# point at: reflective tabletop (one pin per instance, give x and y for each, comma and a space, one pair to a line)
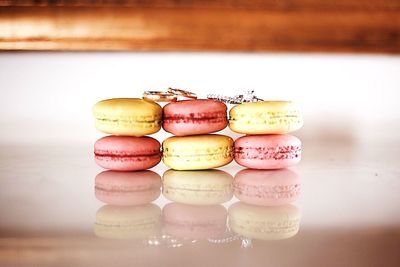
53, 214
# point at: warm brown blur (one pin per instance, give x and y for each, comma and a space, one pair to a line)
132, 25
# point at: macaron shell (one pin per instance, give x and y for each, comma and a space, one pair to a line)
128, 222
267, 187
267, 151
127, 116
195, 222
197, 152
127, 153
207, 187
265, 117
127, 188
264, 223
193, 117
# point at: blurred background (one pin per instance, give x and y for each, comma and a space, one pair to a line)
338, 59
345, 98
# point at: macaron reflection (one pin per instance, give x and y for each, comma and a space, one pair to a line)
264, 223
194, 222
206, 187
127, 188
122, 222
267, 187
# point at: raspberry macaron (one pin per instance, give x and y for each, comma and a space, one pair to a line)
192, 117
267, 151
127, 153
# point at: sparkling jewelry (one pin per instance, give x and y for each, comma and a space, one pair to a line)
172, 94
248, 96
182, 93
159, 96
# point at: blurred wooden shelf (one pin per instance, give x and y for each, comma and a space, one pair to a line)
223, 25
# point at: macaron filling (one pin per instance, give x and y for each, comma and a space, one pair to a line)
121, 156
267, 153
270, 120
144, 121
226, 152
214, 117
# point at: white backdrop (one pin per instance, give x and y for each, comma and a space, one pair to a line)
50, 95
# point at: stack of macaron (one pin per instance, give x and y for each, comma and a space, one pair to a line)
194, 147
128, 120
266, 124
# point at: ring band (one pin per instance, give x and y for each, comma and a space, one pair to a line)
159, 96
183, 93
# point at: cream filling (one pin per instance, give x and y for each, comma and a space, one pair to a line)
226, 153
267, 118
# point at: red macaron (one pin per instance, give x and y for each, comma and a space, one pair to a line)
127, 153
192, 117
274, 151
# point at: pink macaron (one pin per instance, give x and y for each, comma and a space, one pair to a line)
127, 188
267, 151
191, 117
194, 222
267, 187
127, 153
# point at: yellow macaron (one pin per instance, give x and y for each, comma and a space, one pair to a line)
127, 116
265, 117
197, 152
